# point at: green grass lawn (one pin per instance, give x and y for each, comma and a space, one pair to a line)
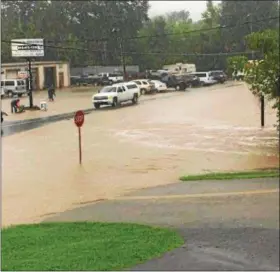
233, 175
83, 246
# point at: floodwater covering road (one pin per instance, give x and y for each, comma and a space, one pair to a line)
150, 144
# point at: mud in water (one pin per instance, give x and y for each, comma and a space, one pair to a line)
153, 143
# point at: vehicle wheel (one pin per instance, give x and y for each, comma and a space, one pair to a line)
10, 94
19, 95
111, 82
182, 87
135, 99
177, 88
190, 85
142, 91
115, 102
96, 105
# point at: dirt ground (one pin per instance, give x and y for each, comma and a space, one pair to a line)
150, 144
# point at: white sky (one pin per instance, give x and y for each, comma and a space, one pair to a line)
161, 7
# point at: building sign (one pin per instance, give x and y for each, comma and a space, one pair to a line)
26, 48
23, 74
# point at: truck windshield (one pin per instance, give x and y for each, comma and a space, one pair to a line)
108, 89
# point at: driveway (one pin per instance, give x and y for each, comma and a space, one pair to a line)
227, 225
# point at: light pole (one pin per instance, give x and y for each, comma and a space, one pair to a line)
30, 87
251, 31
120, 42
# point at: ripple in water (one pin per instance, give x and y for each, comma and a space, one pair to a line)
219, 139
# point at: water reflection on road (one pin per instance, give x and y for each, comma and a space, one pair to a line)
209, 129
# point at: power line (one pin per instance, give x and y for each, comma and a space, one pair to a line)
204, 29
174, 34
151, 36
138, 53
181, 33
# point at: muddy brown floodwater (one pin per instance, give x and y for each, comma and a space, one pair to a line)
153, 143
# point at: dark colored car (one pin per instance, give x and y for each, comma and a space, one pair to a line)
220, 76
171, 81
190, 80
84, 80
104, 81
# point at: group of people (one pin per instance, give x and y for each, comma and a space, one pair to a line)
16, 107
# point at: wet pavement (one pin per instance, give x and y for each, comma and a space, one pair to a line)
66, 100
227, 225
146, 145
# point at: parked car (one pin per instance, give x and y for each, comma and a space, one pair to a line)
116, 94
205, 78
145, 85
104, 81
171, 81
219, 76
189, 79
158, 85
13, 87
114, 77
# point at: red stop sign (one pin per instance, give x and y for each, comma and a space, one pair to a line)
79, 118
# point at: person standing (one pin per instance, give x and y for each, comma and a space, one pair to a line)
51, 93
14, 105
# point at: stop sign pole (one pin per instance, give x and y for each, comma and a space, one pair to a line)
79, 121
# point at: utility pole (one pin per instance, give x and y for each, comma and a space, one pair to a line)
121, 45
30, 85
123, 59
253, 59
251, 31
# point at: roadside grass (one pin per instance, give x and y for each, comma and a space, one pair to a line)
271, 173
83, 246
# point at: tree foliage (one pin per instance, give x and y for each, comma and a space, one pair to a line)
88, 32
263, 75
236, 63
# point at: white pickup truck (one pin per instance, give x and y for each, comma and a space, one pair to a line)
116, 94
115, 78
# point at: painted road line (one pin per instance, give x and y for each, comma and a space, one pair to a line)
191, 196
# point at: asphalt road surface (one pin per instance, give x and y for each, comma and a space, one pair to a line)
227, 225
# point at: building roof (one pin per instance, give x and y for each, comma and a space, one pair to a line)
14, 64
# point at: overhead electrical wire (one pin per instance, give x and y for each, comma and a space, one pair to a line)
151, 36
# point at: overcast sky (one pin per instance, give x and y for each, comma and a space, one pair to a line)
194, 7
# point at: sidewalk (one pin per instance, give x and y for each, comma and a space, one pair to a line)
66, 101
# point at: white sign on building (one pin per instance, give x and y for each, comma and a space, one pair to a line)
25, 48
23, 74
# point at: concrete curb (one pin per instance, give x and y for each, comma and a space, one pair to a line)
50, 118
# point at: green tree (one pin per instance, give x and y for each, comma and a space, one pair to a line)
263, 75
236, 63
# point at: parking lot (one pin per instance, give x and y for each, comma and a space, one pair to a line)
213, 128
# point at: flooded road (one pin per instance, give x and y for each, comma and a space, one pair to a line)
153, 143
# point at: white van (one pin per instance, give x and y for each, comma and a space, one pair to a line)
205, 78
116, 94
13, 87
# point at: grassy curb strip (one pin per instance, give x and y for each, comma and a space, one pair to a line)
83, 246
233, 175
